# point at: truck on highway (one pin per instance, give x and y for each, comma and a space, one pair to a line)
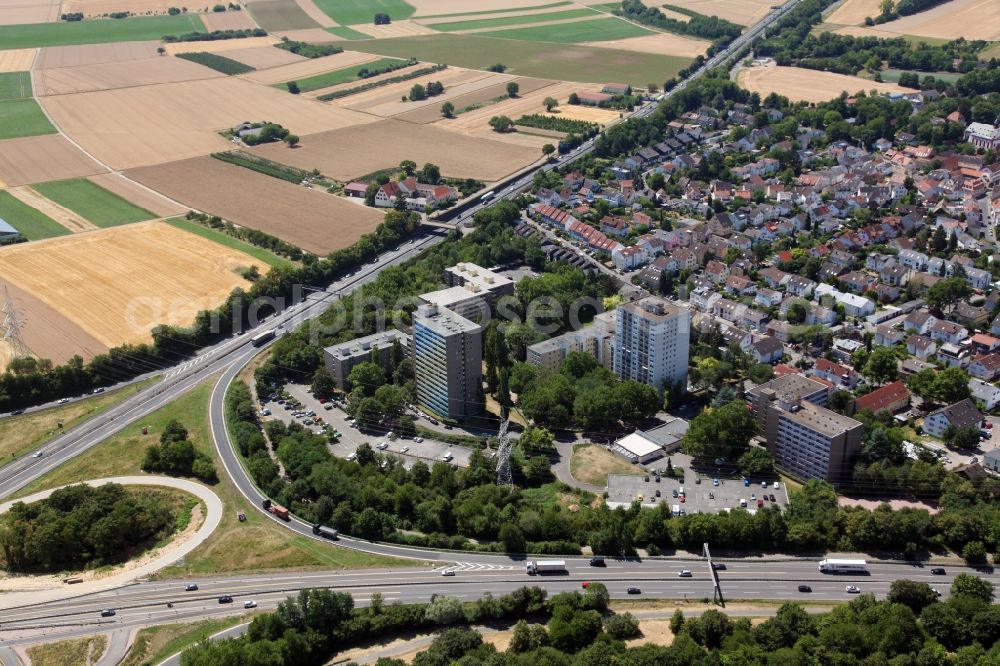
835, 566
545, 567
486, 197
325, 532
261, 338
276, 509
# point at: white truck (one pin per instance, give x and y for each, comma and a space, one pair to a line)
545, 566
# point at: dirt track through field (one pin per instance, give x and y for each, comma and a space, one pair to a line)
60, 214
16, 60
37, 159
137, 194
312, 220
116, 284
807, 85
306, 68
107, 76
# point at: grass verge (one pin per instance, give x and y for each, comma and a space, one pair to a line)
154, 644
22, 117
23, 434
32, 224
78, 651
266, 256
592, 464
97, 31
94, 203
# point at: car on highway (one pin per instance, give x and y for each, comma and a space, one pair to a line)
63, 401
225, 599
805, 588
191, 587
585, 584
108, 612
853, 589
250, 604
684, 573
448, 572
633, 590
938, 571
597, 561
38, 454
719, 566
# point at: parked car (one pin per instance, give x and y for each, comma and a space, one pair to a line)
418, 439
404, 449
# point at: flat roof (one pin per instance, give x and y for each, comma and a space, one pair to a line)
822, 420
451, 296
638, 445
364, 345
443, 321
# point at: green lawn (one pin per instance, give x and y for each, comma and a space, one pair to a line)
510, 10
356, 12
221, 238
23, 117
32, 224
15, 85
513, 20
93, 203
565, 62
598, 30
97, 31
345, 32
892, 75
345, 75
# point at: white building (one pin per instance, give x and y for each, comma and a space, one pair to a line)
982, 135
643, 446
988, 394
652, 336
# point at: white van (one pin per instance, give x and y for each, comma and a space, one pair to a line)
680, 491
447, 457
743, 503
676, 509
352, 457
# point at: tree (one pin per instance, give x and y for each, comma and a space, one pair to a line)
512, 538
974, 552
292, 140
756, 462
550, 103
951, 385
548, 149
881, 366
760, 373
408, 167
797, 312
445, 610
512, 88
430, 173
947, 293
448, 110
293, 87
635, 400
365, 378
965, 438
161, 50
622, 626
501, 124
323, 385
720, 433
677, 622
573, 98
916, 596
417, 93
973, 586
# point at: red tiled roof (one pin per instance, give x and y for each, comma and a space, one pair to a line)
883, 398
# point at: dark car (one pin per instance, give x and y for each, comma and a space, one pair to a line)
805, 588
108, 612
633, 590
225, 599
16, 412
719, 566
191, 587
597, 561
938, 571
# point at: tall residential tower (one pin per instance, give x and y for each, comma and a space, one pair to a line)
652, 336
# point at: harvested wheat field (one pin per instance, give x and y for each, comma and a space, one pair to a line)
16, 12
16, 60
47, 333
38, 159
132, 127
349, 153
263, 57
435, 7
52, 57
219, 46
453, 79
660, 44
430, 113
98, 7
116, 284
854, 12
478, 90
310, 219
395, 29
138, 195
228, 20
311, 35
971, 19
476, 122
60, 214
306, 68
807, 85
107, 76
315, 13
744, 12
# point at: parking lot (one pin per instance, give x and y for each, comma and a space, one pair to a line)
701, 494
351, 438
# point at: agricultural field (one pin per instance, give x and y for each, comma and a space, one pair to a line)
132, 127
90, 8
280, 15
304, 68
93, 202
807, 85
219, 63
32, 224
39, 158
660, 43
29, 11
21, 118
480, 93
48, 333
263, 57
345, 32
854, 12
222, 238
316, 14
219, 46
53, 57
602, 29
16, 60
356, 12
744, 12
97, 31
494, 13
447, 8
892, 75
386, 143
312, 220
112, 75
971, 19
520, 19
394, 29
387, 100
51, 210
564, 62
116, 284
228, 21
15, 85
338, 76
137, 195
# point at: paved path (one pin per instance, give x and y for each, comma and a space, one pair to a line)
562, 469
8, 657
231, 632
119, 641
164, 557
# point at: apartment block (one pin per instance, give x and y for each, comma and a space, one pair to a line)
448, 358
341, 359
597, 340
652, 336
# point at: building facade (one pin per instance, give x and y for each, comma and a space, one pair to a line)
341, 359
447, 358
652, 336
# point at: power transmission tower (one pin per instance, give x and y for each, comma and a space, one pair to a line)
504, 477
10, 329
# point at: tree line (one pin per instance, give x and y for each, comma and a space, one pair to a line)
698, 25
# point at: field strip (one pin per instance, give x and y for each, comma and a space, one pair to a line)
395, 29
375, 79
63, 216
664, 43
477, 16
219, 46
307, 68
539, 24
316, 14
17, 60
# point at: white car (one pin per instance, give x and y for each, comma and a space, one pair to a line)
63, 401
250, 604
404, 449
853, 589
38, 454
382, 446
684, 574
418, 439
448, 572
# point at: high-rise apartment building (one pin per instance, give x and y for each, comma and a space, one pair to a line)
447, 358
652, 336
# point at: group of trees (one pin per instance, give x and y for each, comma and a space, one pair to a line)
215, 35
175, 455
307, 50
269, 133
79, 526
419, 92
713, 28
890, 10
940, 386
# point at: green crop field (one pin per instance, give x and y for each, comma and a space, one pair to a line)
340, 75
356, 12
513, 20
15, 85
509, 10
277, 15
598, 30
892, 75
23, 117
266, 256
97, 31
565, 62
217, 62
93, 203
345, 32
32, 224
